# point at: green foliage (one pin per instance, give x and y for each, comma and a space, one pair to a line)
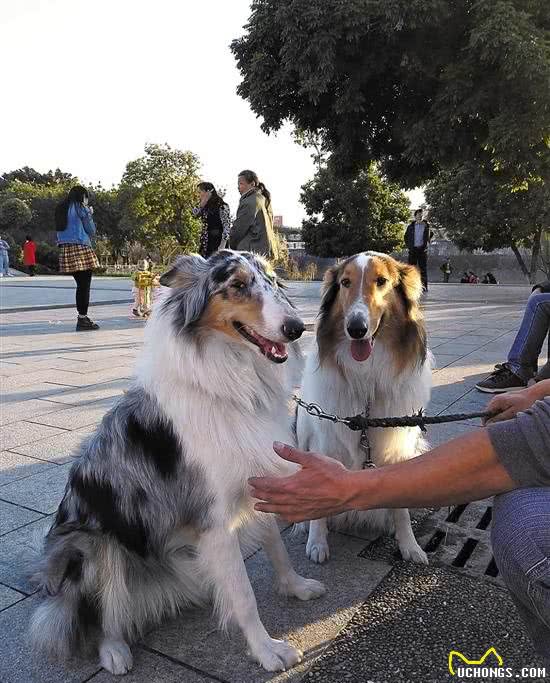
158, 193
14, 214
419, 85
34, 177
349, 215
478, 209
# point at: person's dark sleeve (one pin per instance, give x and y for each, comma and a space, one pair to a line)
522, 445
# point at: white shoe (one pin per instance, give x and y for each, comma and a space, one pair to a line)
1, 274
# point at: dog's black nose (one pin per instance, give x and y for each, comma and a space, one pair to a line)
357, 328
293, 328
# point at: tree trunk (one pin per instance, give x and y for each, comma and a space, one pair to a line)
535, 253
520, 260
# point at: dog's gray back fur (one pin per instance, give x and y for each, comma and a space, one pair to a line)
128, 490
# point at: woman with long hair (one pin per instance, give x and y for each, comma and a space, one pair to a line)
253, 227
215, 217
75, 226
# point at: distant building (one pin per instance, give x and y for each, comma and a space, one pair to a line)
292, 236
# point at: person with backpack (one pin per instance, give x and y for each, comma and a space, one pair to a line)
75, 226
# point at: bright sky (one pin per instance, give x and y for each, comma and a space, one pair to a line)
86, 84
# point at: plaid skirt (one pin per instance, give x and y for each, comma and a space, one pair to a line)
76, 257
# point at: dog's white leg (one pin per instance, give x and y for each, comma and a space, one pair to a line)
408, 545
317, 543
221, 559
288, 580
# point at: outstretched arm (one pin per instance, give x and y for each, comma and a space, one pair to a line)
461, 470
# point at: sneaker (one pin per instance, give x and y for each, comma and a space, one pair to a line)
85, 325
501, 381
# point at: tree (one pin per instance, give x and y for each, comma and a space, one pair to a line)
417, 84
158, 193
14, 214
31, 175
346, 216
477, 210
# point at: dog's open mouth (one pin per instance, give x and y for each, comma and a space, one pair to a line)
275, 351
361, 349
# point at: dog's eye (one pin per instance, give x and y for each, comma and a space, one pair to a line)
237, 284
346, 282
381, 281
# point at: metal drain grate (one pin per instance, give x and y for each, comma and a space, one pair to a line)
459, 537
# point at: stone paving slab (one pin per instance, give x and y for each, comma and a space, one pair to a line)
195, 639
55, 449
21, 432
9, 597
14, 516
15, 466
42, 491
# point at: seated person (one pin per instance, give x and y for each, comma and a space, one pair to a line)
522, 364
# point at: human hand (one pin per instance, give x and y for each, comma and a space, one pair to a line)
321, 488
91, 210
508, 405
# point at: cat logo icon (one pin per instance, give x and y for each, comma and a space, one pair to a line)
454, 654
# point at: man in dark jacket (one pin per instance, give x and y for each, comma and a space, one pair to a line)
417, 238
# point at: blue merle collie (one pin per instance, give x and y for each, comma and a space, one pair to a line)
157, 506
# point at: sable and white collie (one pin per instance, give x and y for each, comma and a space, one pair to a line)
157, 505
370, 349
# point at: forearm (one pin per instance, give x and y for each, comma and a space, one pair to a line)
461, 470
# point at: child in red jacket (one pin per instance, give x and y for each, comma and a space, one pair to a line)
29, 255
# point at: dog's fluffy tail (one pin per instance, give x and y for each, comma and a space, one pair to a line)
66, 621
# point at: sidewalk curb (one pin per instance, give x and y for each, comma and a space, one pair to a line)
23, 309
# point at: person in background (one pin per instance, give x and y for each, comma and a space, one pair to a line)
4, 258
509, 458
253, 227
489, 279
447, 269
417, 238
473, 278
216, 220
465, 279
29, 254
521, 366
75, 226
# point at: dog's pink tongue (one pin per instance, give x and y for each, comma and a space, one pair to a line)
361, 349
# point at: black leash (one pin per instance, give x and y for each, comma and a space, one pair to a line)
362, 422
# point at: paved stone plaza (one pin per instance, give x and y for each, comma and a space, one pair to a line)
382, 620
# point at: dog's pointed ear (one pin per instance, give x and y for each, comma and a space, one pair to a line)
409, 287
185, 271
189, 280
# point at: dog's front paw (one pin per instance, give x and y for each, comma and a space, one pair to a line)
302, 588
115, 656
276, 655
414, 553
318, 551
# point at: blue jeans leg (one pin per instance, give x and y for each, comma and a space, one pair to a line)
521, 545
5, 262
523, 355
